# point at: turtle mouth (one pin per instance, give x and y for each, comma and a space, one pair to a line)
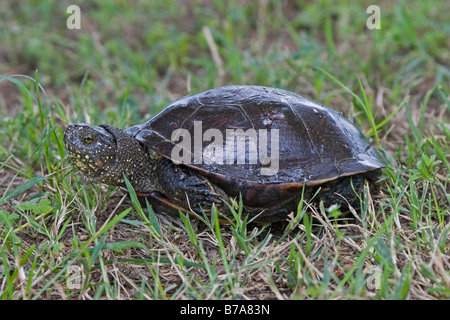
71, 140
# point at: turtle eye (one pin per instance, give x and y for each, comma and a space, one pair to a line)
88, 138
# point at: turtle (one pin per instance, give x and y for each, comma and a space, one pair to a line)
265, 147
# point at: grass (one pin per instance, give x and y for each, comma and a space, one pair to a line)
63, 238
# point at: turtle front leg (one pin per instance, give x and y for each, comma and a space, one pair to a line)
187, 188
158, 201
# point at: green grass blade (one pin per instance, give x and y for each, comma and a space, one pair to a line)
22, 188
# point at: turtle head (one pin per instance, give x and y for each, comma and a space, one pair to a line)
105, 154
91, 148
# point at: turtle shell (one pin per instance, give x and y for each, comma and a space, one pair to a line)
313, 144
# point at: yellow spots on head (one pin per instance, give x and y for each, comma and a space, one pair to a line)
80, 165
86, 156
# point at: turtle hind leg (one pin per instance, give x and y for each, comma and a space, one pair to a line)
343, 192
188, 189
